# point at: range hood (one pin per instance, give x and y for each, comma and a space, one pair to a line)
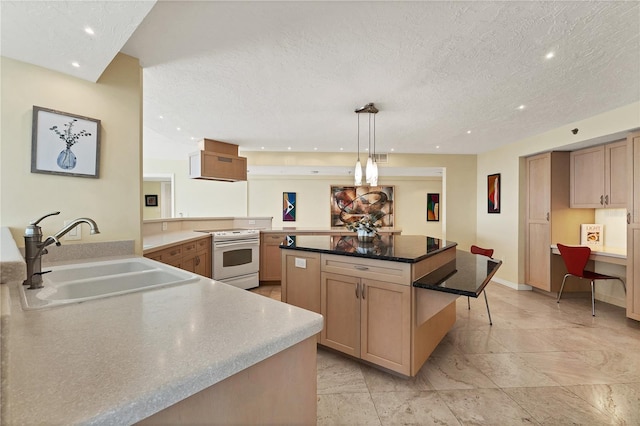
217, 161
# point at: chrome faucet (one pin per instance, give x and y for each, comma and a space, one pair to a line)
34, 247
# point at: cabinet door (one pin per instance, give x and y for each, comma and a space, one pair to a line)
301, 279
188, 263
386, 325
633, 227
270, 262
616, 175
538, 230
200, 266
340, 307
587, 178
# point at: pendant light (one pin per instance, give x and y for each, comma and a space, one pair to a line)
357, 174
371, 169
374, 168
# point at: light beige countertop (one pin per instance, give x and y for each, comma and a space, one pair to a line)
118, 360
159, 241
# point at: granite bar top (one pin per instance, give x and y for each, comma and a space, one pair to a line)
321, 230
120, 359
467, 275
396, 248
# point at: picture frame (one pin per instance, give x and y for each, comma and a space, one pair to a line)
65, 144
433, 207
289, 206
151, 200
350, 203
493, 193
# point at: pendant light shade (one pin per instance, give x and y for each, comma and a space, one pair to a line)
357, 174
371, 169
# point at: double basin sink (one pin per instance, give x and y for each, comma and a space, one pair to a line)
94, 280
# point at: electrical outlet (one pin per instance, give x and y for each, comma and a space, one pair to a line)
164, 226
301, 263
252, 222
74, 234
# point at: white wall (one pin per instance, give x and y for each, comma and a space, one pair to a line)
505, 231
113, 200
200, 198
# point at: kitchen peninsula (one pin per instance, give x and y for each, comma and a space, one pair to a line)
201, 352
365, 292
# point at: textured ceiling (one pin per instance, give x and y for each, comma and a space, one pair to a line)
51, 33
290, 74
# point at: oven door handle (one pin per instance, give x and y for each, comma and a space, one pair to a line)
221, 244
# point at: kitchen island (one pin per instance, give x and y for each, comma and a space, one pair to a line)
201, 352
365, 292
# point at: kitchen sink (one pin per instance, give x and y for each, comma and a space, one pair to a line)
86, 281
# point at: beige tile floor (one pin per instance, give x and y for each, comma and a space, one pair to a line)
540, 363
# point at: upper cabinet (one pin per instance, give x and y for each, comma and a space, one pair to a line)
599, 176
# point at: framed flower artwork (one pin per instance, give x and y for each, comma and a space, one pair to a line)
64, 144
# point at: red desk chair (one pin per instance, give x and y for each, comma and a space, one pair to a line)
488, 253
575, 259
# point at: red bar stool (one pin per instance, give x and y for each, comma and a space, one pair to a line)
575, 259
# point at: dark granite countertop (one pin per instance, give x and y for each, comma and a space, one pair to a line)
397, 248
467, 275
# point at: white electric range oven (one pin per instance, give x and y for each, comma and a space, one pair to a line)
236, 257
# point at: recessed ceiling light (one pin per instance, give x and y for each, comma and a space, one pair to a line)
550, 55
262, 147
521, 107
160, 117
392, 149
341, 149
89, 30
315, 148
75, 64
437, 146
192, 138
468, 132
178, 128
289, 148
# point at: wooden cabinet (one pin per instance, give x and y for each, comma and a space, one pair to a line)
549, 219
270, 262
633, 227
367, 319
194, 256
301, 279
599, 176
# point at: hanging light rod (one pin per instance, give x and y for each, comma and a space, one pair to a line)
370, 108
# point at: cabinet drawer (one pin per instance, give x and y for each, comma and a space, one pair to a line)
273, 239
381, 270
203, 244
188, 248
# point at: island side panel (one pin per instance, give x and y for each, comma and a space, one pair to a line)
279, 390
433, 313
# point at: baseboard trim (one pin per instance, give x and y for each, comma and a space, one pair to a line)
515, 286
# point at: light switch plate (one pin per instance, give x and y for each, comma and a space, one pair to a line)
74, 234
301, 263
164, 226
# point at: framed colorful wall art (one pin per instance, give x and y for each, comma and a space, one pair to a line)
433, 207
289, 206
493, 193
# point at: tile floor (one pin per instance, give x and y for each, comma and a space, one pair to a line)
540, 363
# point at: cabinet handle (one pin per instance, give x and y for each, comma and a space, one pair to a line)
601, 200
197, 260
363, 288
361, 268
547, 216
606, 200
357, 289
628, 218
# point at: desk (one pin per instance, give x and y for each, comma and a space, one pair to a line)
613, 255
